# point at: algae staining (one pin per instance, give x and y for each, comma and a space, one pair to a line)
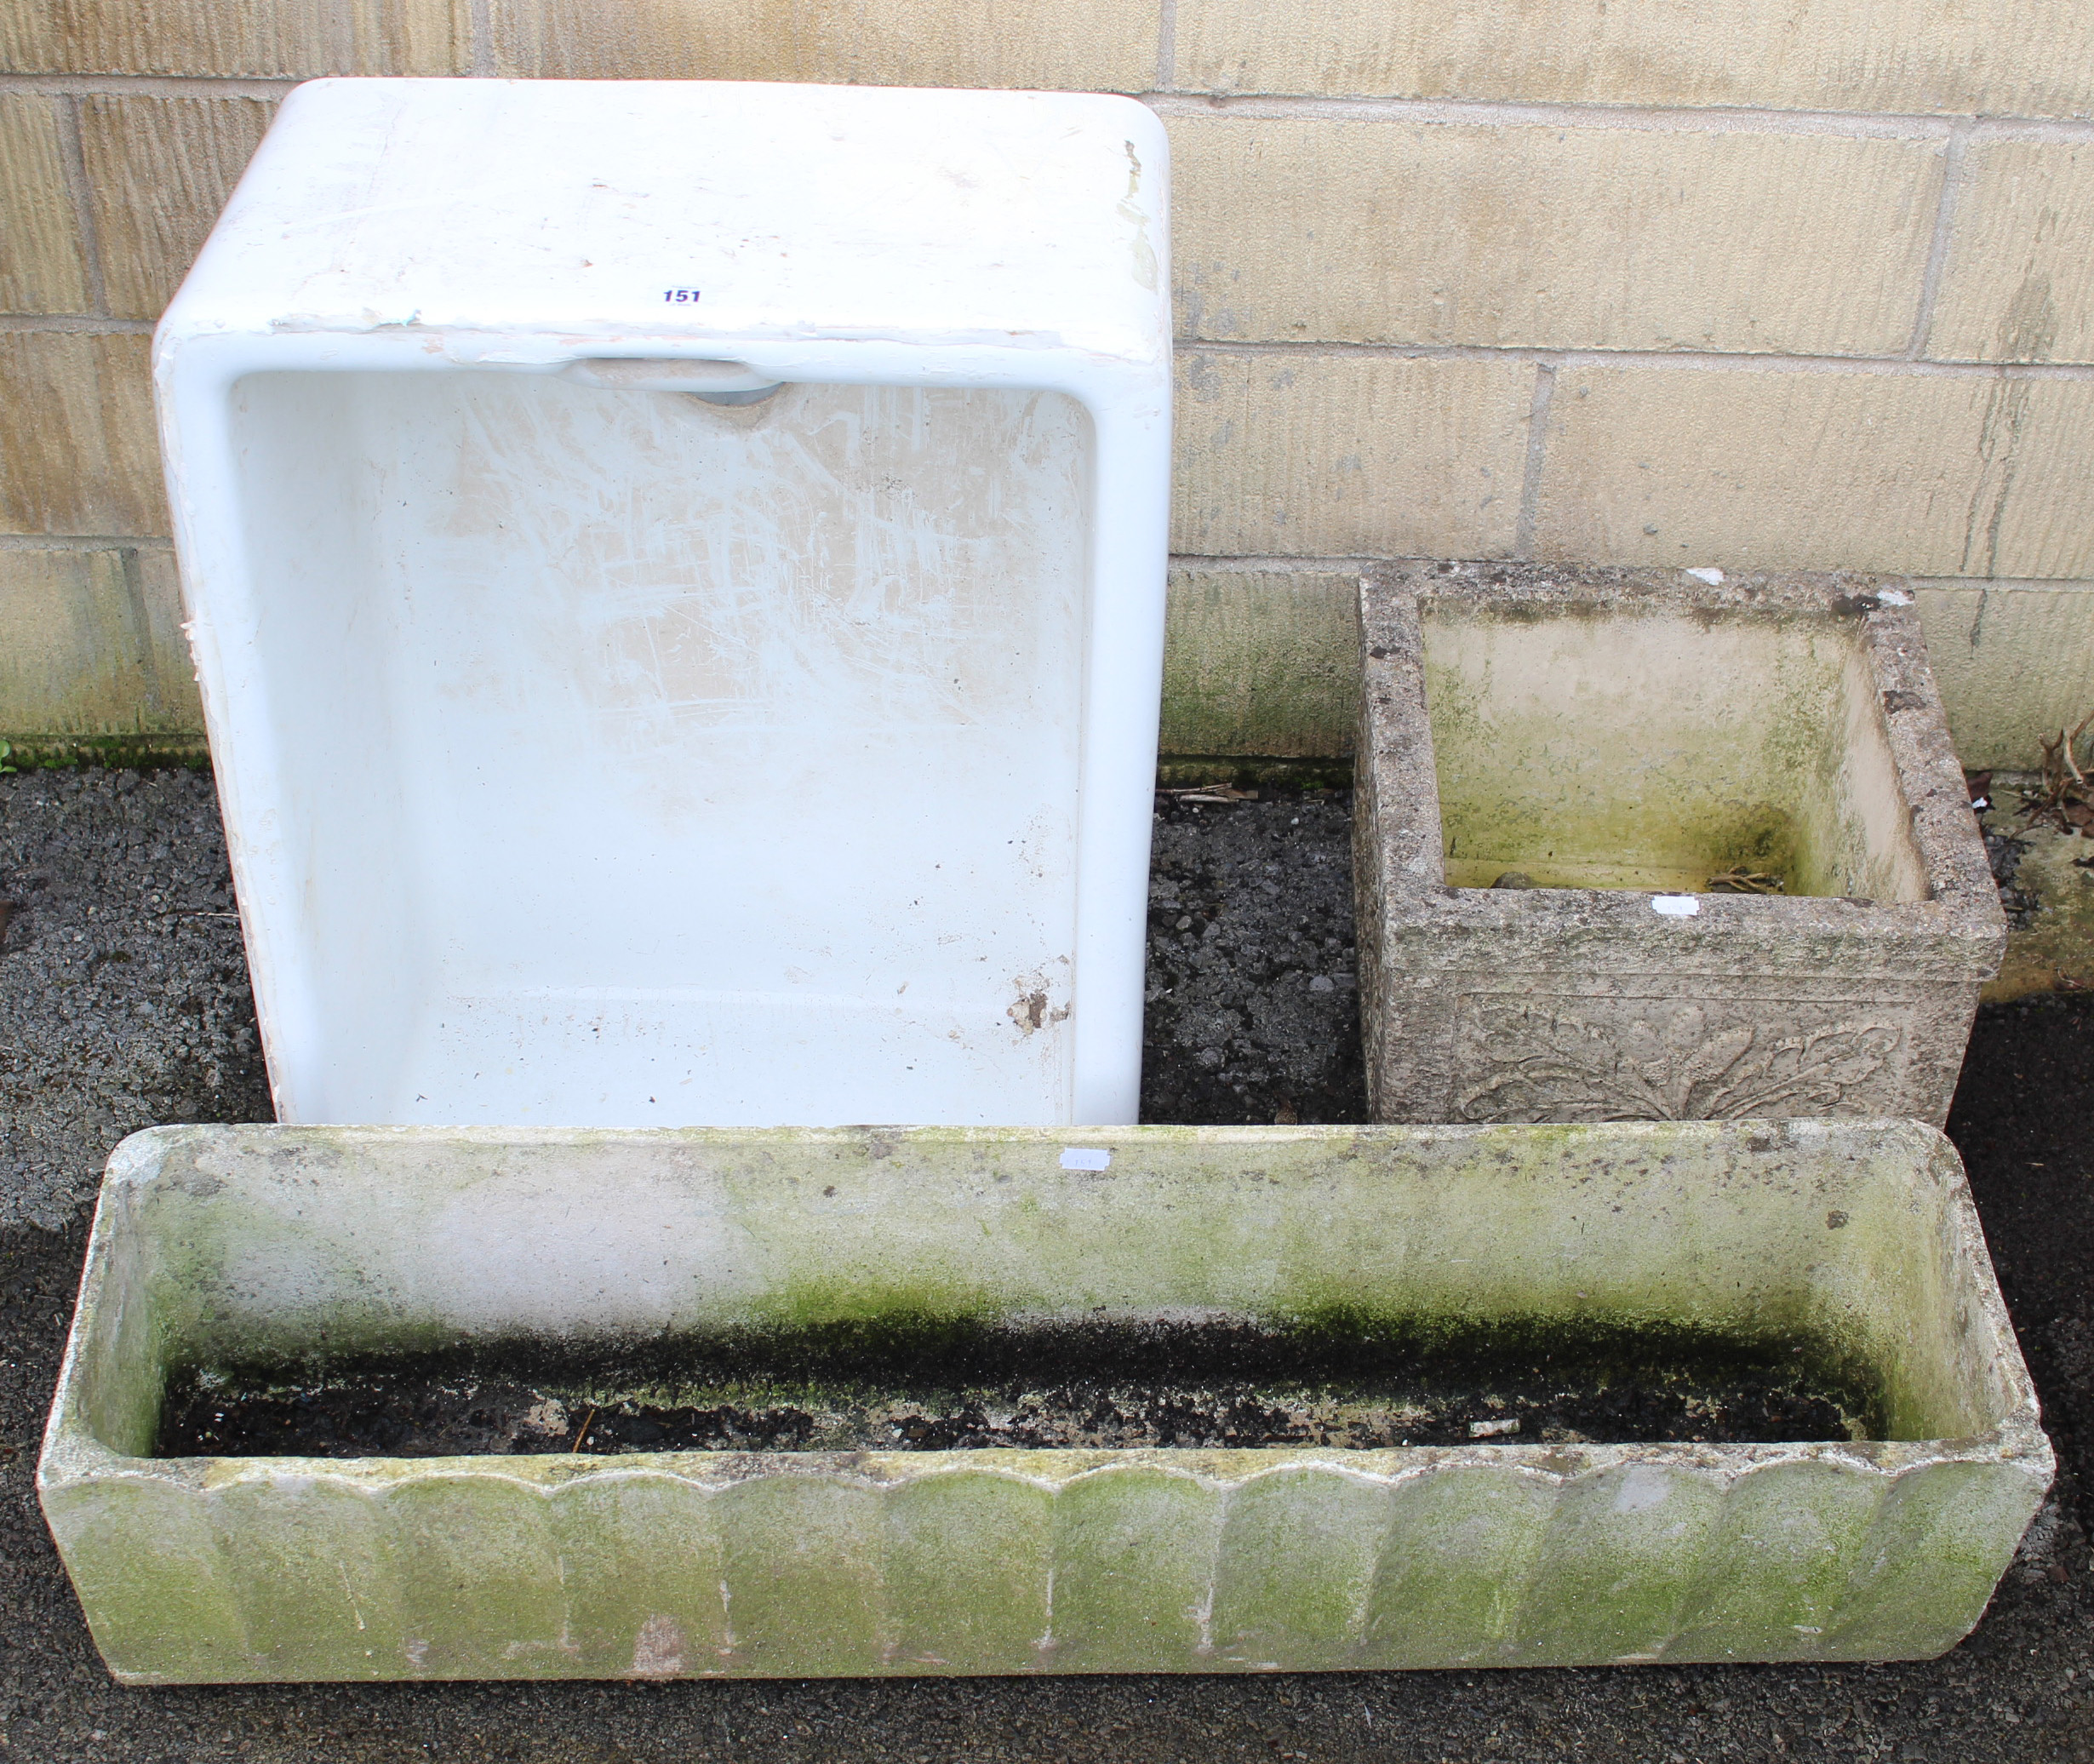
1620, 750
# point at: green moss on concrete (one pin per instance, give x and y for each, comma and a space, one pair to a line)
899, 1257
1682, 766
144, 752
1263, 663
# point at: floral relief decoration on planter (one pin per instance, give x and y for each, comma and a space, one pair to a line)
1584, 1059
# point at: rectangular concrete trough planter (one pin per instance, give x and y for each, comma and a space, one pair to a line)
1556, 768
214, 1245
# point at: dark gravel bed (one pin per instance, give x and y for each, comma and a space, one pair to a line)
1253, 1005
124, 995
81, 1065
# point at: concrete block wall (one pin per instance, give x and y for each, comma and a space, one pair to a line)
1784, 283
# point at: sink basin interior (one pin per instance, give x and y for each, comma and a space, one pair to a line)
591, 640
1583, 747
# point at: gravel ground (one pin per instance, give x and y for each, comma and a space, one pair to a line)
1253, 1011
123, 1002
123, 996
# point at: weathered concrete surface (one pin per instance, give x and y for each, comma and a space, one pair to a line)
1262, 661
214, 1246
1601, 744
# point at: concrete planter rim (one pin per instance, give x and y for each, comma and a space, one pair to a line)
1963, 914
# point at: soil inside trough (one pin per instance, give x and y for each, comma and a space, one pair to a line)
959, 1386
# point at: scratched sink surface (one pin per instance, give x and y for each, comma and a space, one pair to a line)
216, 1249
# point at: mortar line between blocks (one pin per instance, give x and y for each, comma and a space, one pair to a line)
1166, 46
1513, 113
1937, 248
82, 191
1538, 448
482, 28
1898, 124
1711, 119
84, 325
1671, 358
82, 542
146, 85
1245, 563
141, 627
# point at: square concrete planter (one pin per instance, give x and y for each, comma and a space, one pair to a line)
1555, 767
214, 1245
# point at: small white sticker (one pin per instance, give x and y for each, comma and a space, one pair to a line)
1893, 596
1713, 577
1675, 906
1081, 1157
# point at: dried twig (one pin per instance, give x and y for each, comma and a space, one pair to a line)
1740, 880
2072, 741
2064, 798
1209, 792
